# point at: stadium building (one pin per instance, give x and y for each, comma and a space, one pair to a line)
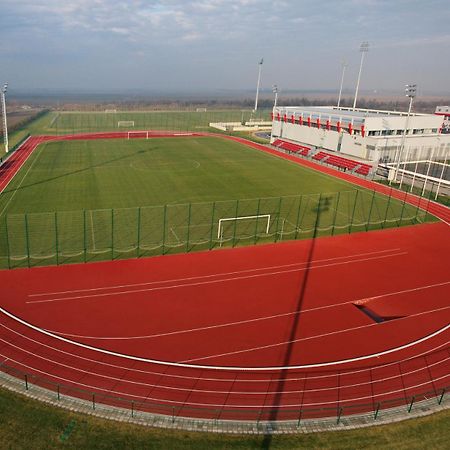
362, 133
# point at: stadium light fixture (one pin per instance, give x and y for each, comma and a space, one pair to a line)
344, 66
258, 84
410, 90
5, 123
364, 48
275, 91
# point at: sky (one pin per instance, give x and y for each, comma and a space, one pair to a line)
215, 45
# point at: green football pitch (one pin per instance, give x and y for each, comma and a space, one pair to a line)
84, 200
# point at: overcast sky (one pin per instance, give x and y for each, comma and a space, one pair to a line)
195, 45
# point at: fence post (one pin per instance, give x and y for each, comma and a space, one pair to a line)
298, 216
340, 411
370, 211
411, 404
164, 230
138, 232
257, 218
93, 401
26, 382
188, 228
84, 235
58, 392
112, 233
441, 397
335, 212
27, 239
212, 225
299, 418
235, 223
387, 209
353, 213
173, 414
8, 251
377, 411
56, 238
132, 408
278, 219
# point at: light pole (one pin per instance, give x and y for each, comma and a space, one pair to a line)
5, 123
257, 85
364, 48
344, 66
411, 93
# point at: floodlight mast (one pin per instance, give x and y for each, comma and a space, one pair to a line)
364, 48
5, 123
344, 66
257, 85
410, 90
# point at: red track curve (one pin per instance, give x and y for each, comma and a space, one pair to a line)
217, 309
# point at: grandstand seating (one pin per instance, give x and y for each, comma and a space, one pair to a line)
334, 160
291, 147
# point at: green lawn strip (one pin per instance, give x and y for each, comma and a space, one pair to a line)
27, 423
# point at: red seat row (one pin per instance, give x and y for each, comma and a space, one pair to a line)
291, 147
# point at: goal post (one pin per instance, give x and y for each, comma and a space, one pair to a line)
137, 134
224, 220
125, 123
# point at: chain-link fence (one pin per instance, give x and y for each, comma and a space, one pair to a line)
81, 236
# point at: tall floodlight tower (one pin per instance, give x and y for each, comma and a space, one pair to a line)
364, 48
257, 85
410, 90
5, 123
344, 66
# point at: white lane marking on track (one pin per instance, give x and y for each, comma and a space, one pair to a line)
220, 405
257, 319
225, 368
308, 338
177, 286
204, 391
226, 380
200, 277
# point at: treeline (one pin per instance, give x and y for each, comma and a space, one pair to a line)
25, 122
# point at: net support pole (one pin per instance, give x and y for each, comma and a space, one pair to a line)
84, 235
441, 177
428, 171
138, 231
8, 251
298, 216
188, 227
27, 239
56, 238
212, 225
235, 223
112, 234
353, 213
164, 230
387, 208
370, 211
403, 208
278, 219
256, 226
335, 212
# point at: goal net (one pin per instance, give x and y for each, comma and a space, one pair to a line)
242, 227
125, 123
137, 135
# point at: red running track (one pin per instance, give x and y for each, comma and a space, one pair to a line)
230, 333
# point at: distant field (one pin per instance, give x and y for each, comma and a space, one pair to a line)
113, 198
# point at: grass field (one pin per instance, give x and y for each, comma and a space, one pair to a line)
76, 200
27, 423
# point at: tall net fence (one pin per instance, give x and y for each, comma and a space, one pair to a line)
80, 236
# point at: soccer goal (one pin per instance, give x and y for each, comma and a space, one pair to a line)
231, 223
125, 123
137, 135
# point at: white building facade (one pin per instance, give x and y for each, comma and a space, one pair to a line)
371, 135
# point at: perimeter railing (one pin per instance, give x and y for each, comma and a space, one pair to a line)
225, 419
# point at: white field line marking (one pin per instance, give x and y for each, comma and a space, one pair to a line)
225, 380
247, 321
21, 181
210, 391
175, 234
201, 277
220, 405
225, 368
200, 283
308, 338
